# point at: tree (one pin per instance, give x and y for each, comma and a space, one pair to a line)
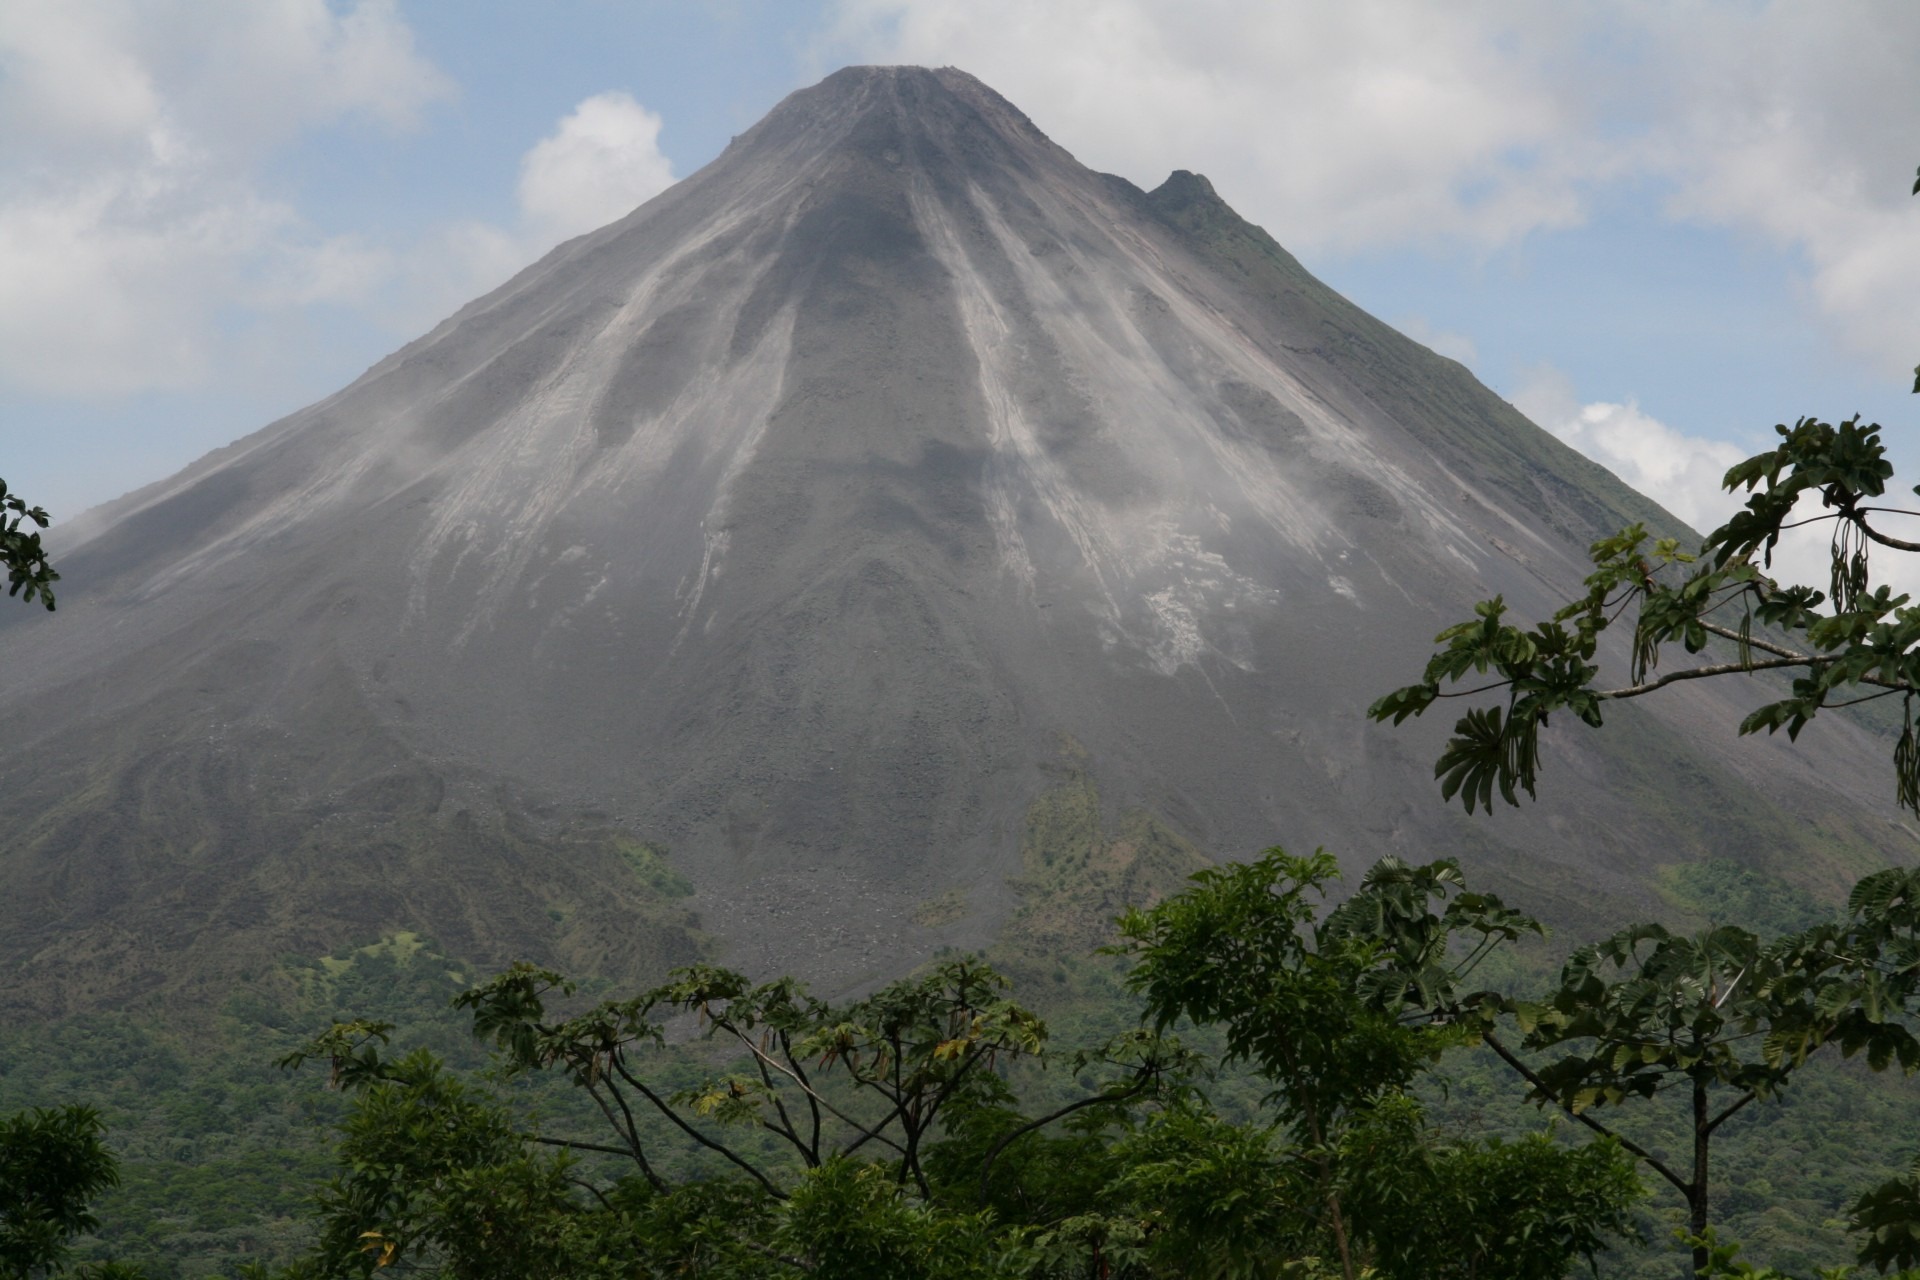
1722, 1017
28, 573
1646, 1009
1342, 1013
864, 1139
1237, 950
437, 1171
884, 1137
53, 1164
898, 1059
1855, 641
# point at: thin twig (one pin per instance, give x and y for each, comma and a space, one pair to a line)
1752, 642
814, 1096
813, 1105
1831, 515
1531, 1077
1468, 693
1854, 702
785, 1128
1809, 658
594, 1192
573, 1145
993, 1152
661, 1106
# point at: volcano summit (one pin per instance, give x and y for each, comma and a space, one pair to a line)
755, 564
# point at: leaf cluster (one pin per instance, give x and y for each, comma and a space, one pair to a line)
53, 1164
1852, 642
29, 575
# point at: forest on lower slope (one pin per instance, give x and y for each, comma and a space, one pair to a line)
1247, 1084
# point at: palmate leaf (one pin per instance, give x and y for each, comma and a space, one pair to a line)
1888, 896
1888, 1220
1489, 751
1402, 703
1790, 714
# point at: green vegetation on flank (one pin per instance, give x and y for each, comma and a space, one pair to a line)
221, 1155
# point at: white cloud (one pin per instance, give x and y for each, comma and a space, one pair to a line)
131, 217
1340, 125
1683, 474
233, 76
1353, 124
602, 162
1798, 123
100, 300
135, 224
454, 265
1680, 472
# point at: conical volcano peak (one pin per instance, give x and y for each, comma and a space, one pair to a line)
783, 531
895, 111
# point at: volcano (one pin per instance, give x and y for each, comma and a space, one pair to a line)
739, 578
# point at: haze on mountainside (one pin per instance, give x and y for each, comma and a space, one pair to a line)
794, 536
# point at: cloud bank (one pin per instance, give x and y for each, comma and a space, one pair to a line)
1680, 472
1349, 125
132, 216
138, 230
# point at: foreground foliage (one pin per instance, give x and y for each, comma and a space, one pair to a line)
29, 575
896, 1136
934, 1130
53, 1165
716, 1127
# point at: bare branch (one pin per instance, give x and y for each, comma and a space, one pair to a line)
594, 1192
1898, 544
1754, 642
814, 1097
1698, 673
993, 1152
1728, 1114
1532, 1077
630, 1131
660, 1105
573, 1145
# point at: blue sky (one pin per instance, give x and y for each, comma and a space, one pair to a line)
1659, 228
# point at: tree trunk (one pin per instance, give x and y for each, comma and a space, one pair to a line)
1340, 1236
1697, 1192
1336, 1220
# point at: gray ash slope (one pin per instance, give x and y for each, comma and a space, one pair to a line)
792, 524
